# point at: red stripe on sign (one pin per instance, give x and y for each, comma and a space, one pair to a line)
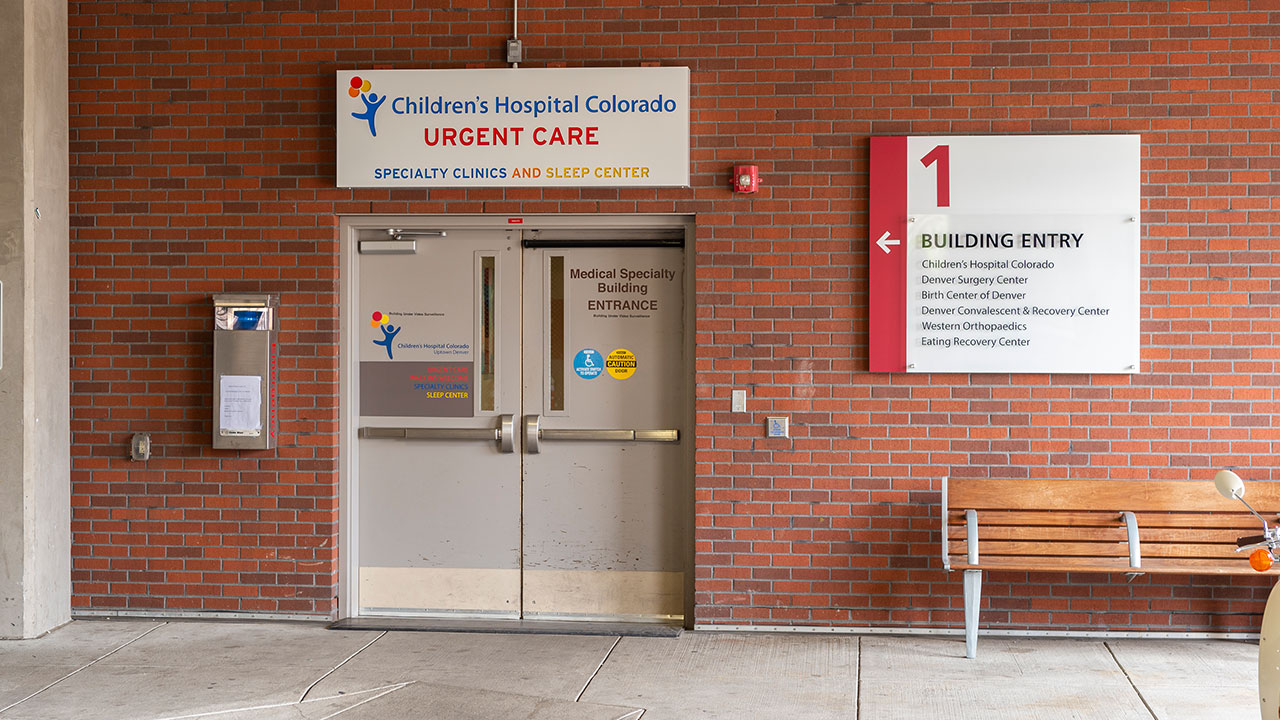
887, 222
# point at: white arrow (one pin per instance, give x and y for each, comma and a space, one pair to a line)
884, 242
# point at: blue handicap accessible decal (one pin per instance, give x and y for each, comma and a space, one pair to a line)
588, 363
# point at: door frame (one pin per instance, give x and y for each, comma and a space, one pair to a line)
349, 230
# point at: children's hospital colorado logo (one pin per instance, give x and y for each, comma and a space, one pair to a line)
361, 89
383, 322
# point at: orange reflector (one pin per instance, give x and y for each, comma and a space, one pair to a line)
1260, 560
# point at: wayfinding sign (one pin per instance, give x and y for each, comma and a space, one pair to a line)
545, 127
1005, 254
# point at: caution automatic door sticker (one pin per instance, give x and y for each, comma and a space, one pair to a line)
621, 363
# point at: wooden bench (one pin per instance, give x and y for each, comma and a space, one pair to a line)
1111, 526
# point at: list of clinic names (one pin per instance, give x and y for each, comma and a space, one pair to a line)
1009, 291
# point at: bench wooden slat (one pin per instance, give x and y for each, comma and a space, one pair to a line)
1117, 533
1039, 517
1133, 495
1043, 533
997, 548
1161, 566
1242, 520
1022, 564
1226, 536
1200, 566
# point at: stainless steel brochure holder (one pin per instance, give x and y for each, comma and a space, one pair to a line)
245, 338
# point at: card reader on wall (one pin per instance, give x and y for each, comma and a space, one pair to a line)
245, 368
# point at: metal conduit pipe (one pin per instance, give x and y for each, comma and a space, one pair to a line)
515, 26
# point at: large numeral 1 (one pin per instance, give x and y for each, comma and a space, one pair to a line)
942, 155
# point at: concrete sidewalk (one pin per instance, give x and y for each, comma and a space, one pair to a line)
149, 670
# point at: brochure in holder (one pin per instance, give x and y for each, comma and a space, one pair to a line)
243, 318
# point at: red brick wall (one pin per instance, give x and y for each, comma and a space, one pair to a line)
202, 162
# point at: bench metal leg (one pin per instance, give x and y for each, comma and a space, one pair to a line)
972, 600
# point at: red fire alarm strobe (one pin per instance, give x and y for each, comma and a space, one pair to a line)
746, 178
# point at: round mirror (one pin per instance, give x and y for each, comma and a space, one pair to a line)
1229, 484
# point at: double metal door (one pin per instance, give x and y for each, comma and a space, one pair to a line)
520, 426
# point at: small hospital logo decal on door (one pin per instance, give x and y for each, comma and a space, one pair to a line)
389, 331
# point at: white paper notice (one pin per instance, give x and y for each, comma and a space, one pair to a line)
241, 410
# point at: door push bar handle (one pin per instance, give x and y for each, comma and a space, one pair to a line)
657, 436
534, 435
504, 434
606, 435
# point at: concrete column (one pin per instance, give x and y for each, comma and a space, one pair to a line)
35, 470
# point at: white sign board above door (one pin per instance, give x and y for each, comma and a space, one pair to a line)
527, 127
1005, 254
